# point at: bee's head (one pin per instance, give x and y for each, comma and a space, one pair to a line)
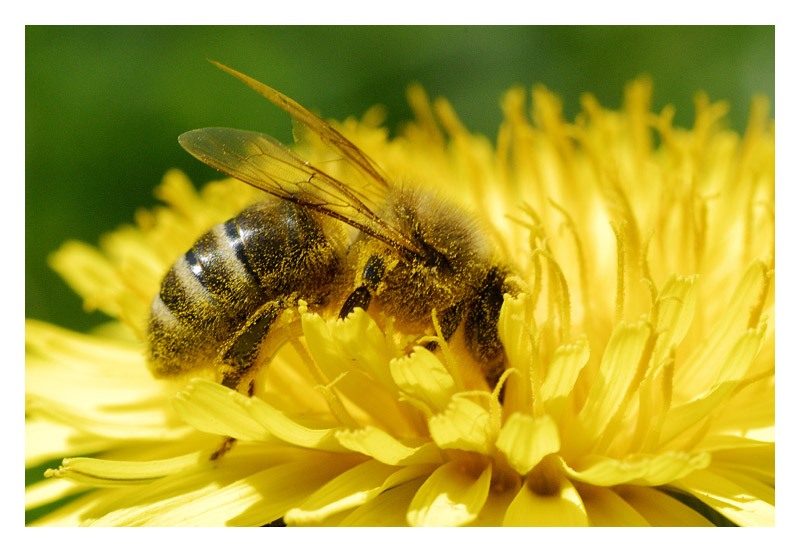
452, 256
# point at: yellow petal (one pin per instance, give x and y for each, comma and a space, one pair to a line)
323, 347
659, 509
525, 440
358, 386
87, 271
617, 369
514, 329
49, 490
494, 510
254, 500
45, 440
751, 483
735, 444
87, 355
284, 426
450, 497
751, 411
352, 488
348, 490
639, 469
139, 266
423, 377
606, 508
735, 502
67, 380
756, 460
703, 367
388, 509
385, 448
144, 504
562, 372
464, 425
563, 508
134, 423
681, 418
213, 408
73, 513
113, 473
365, 345
676, 304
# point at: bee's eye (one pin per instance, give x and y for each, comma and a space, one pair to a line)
435, 259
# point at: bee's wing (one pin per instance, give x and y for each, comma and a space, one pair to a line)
376, 181
265, 163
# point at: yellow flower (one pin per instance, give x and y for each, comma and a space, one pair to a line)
639, 387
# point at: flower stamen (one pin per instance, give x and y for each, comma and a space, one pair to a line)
619, 303
335, 404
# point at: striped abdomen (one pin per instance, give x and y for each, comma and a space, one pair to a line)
269, 251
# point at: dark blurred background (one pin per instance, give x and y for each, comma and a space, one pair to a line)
104, 105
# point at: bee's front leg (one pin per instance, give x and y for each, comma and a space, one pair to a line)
371, 277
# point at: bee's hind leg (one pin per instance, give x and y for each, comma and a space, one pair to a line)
238, 359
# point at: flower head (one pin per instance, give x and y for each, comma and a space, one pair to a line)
639, 382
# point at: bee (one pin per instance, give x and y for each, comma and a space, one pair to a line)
406, 251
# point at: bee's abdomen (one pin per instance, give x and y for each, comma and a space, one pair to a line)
268, 251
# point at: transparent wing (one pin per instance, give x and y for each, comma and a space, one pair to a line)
265, 163
375, 186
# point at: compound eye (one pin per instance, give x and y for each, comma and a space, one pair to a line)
435, 259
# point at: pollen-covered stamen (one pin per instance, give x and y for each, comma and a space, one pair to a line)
536, 236
582, 269
534, 366
335, 404
495, 406
758, 305
644, 267
619, 303
561, 292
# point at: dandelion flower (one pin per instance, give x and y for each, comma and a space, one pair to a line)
639, 387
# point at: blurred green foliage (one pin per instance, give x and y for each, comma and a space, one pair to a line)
104, 105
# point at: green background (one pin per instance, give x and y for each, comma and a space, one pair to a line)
104, 105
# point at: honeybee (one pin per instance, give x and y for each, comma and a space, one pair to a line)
408, 251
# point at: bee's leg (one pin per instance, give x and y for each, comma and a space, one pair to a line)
480, 326
226, 445
448, 323
239, 358
361, 296
277, 523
